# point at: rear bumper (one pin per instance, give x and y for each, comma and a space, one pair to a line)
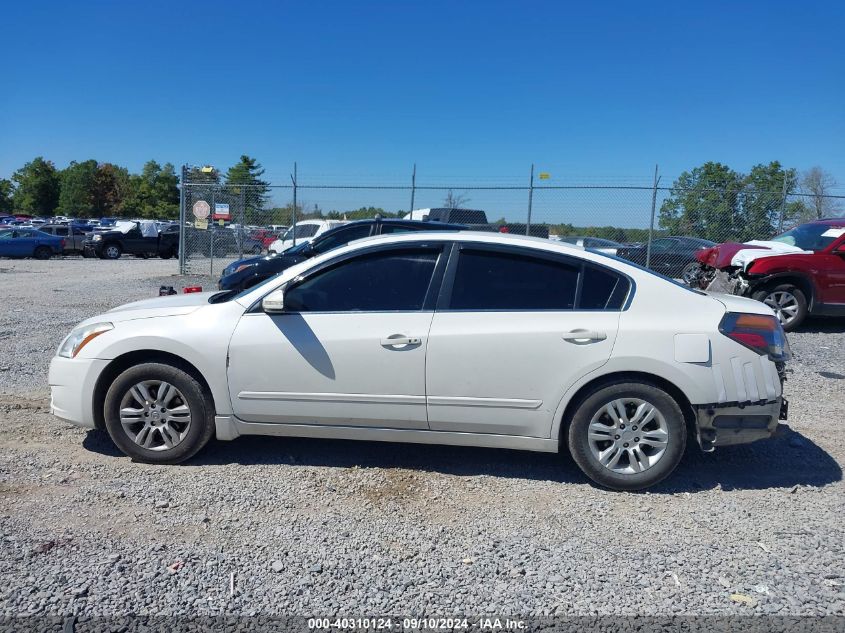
72, 382
731, 423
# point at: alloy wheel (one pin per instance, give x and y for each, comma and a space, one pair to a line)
784, 304
155, 415
628, 435
112, 252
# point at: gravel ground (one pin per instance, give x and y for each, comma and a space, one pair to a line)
298, 526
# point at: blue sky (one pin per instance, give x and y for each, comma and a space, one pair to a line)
471, 91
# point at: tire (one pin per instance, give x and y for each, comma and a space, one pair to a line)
187, 438
690, 273
634, 464
788, 302
43, 252
112, 251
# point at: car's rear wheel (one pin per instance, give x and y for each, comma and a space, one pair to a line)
627, 435
788, 302
158, 413
112, 251
43, 252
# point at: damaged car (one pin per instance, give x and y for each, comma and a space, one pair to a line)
798, 273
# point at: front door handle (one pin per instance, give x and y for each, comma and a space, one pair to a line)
400, 339
584, 336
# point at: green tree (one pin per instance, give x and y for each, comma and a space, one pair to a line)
7, 192
110, 188
76, 194
763, 198
197, 175
37, 187
248, 171
704, 203
154, 193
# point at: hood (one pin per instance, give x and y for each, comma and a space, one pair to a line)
741, 255
160, 306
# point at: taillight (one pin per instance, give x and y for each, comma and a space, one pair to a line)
189, 289
63, 244
505, 229
759, 332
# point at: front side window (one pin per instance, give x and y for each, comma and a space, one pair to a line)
494, 280
394, 280
662, 246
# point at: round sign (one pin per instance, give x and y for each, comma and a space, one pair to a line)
201, 209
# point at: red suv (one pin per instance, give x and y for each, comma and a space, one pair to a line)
797, 273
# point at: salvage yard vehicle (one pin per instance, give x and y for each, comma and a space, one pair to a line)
246, 273
73, 235
443, 337
673, 256
302, 232
798, 273
132, 238
27, 242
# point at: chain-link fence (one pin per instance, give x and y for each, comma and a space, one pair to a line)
656, 226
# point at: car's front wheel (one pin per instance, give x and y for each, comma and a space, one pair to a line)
158, 413
112, 251
627, 435
788, 302
690, 273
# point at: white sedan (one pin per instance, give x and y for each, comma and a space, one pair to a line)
478, 339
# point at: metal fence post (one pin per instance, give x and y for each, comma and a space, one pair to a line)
241, 228
782, 204
651, 223
210, 230
182, 216
413, 189
530, 201
293, 216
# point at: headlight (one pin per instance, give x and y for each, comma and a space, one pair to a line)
80, 337
97, 238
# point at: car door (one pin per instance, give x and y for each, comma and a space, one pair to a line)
349, 350
64, 232
512, 331
830, 264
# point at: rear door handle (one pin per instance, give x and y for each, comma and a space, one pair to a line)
584, 335
400, 339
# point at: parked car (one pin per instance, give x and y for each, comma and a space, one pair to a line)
73, 234
133, 238
302, 232
246, 273
798, 273
608, 247
673, 256
438, 338
226, 241
28, 242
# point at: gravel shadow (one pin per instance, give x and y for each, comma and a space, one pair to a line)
822, 325
788, 459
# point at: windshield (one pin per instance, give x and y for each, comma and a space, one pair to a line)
810, 237
301, 230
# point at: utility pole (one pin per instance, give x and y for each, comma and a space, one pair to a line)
413, 189
530, 200
651, 224
293, 215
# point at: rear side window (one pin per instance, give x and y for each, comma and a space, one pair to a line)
493, 280
602, 290
395, 280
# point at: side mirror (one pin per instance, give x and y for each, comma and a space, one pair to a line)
274, 303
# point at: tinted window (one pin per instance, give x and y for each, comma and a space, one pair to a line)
602, 290
62, 231
343, 236
487, 280
662, 246
387, 280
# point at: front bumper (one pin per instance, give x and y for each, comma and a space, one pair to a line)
90, 249
731, 423
72, 382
